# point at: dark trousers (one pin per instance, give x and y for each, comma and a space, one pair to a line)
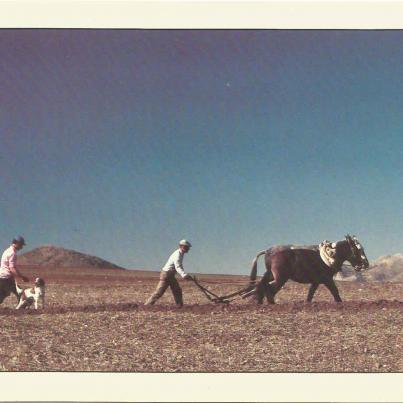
167, 279
7, 286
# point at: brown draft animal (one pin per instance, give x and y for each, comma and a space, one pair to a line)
305, 265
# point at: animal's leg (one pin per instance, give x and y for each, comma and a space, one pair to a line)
22, 304
311, 291
259, 293
261, 288
273, 288
333, 289
18, 292
268, 291
36, 303
269, 294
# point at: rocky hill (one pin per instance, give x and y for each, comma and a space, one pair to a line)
59, 257
385, 268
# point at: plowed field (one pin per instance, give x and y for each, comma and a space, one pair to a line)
95, 320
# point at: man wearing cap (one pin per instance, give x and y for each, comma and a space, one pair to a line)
167, 277
8, 269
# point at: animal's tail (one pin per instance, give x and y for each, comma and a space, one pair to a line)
253, 272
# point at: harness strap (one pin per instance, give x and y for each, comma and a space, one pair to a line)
327, 253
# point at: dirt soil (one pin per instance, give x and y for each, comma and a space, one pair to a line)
95, 320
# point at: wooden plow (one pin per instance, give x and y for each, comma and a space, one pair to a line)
225, 299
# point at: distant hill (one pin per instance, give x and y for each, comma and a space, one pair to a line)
60, 257
385, 268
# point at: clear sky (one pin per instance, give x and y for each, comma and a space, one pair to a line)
119, 143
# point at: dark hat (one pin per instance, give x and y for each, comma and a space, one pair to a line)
19, 239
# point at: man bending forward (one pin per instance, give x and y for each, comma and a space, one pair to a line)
167, 277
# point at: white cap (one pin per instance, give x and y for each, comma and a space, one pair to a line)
184, 242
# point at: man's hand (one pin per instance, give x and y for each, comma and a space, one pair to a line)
187, 277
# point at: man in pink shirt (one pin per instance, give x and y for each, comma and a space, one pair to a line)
8, 269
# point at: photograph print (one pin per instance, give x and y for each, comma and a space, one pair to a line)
201, 201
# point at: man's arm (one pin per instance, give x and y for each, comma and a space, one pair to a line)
179, 266
17, 274
14, 270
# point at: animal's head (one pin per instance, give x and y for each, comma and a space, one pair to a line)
358, 258
39, 282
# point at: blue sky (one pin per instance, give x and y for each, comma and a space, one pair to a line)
119, 143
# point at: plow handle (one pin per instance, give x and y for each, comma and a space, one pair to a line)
207, 292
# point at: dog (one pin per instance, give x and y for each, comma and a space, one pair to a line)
31, 296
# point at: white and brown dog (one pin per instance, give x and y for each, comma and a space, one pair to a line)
31, 296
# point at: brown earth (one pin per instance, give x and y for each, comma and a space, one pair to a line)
95, 320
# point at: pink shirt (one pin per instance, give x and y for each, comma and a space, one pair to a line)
8, 261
